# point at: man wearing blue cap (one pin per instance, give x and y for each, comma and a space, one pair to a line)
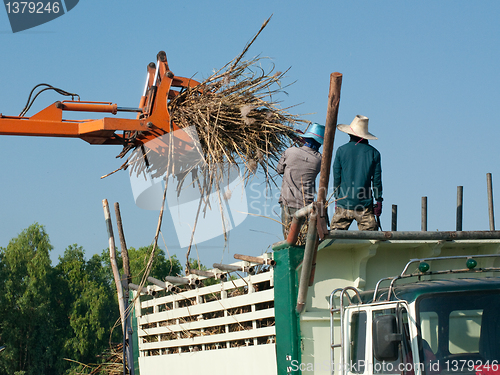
357, 179
300, 167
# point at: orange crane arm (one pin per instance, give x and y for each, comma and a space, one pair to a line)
153, 119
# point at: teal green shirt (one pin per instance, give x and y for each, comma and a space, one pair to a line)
357, 175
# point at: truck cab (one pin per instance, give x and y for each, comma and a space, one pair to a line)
434, 326
430, 327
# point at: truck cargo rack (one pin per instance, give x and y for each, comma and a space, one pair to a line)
234, 314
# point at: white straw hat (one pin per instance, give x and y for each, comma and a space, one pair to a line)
358, 127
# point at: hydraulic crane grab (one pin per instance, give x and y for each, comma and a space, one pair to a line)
153, 118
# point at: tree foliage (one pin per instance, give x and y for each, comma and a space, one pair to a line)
161, 266
89, 303
51, 314
28, 326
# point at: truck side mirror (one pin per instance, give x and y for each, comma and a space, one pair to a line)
385, 338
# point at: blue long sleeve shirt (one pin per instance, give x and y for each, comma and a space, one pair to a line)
357, 175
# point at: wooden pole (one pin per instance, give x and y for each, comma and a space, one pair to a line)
329, 138
394, 221
490, 201
114, 263
424, 214
127, 336
122, 303
460, 201
123, 244
326, 160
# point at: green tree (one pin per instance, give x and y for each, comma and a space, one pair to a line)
138, 260
89, 303
68, 311
161, 267
27, 326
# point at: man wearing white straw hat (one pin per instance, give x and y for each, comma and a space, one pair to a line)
357, 179
300, 167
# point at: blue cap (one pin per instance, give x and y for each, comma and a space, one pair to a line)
316, 132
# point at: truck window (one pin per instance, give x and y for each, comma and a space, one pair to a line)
465, 330
460, 331
357, 342
429, 326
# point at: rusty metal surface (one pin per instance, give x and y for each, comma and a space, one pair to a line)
414, 235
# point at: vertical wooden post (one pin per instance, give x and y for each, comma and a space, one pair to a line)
114, 264
424, 214
329, 138
123, 244
460, 200
127, 335
326, 159
490, 201
394, 222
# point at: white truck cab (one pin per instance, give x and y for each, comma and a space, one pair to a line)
424, 327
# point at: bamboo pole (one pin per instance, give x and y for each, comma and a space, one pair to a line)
127, 336
424, 214
394, 221
123, 244
460, 201
114, 263
326, 160
491, 214
329, 138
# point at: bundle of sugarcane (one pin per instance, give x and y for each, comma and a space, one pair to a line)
238, 123
236, 119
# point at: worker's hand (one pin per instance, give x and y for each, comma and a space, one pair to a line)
377, 209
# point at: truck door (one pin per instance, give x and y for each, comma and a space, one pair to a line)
360, 356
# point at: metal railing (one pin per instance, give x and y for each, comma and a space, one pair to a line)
471, 268
340, 310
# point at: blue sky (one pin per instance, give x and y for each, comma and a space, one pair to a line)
425, 73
